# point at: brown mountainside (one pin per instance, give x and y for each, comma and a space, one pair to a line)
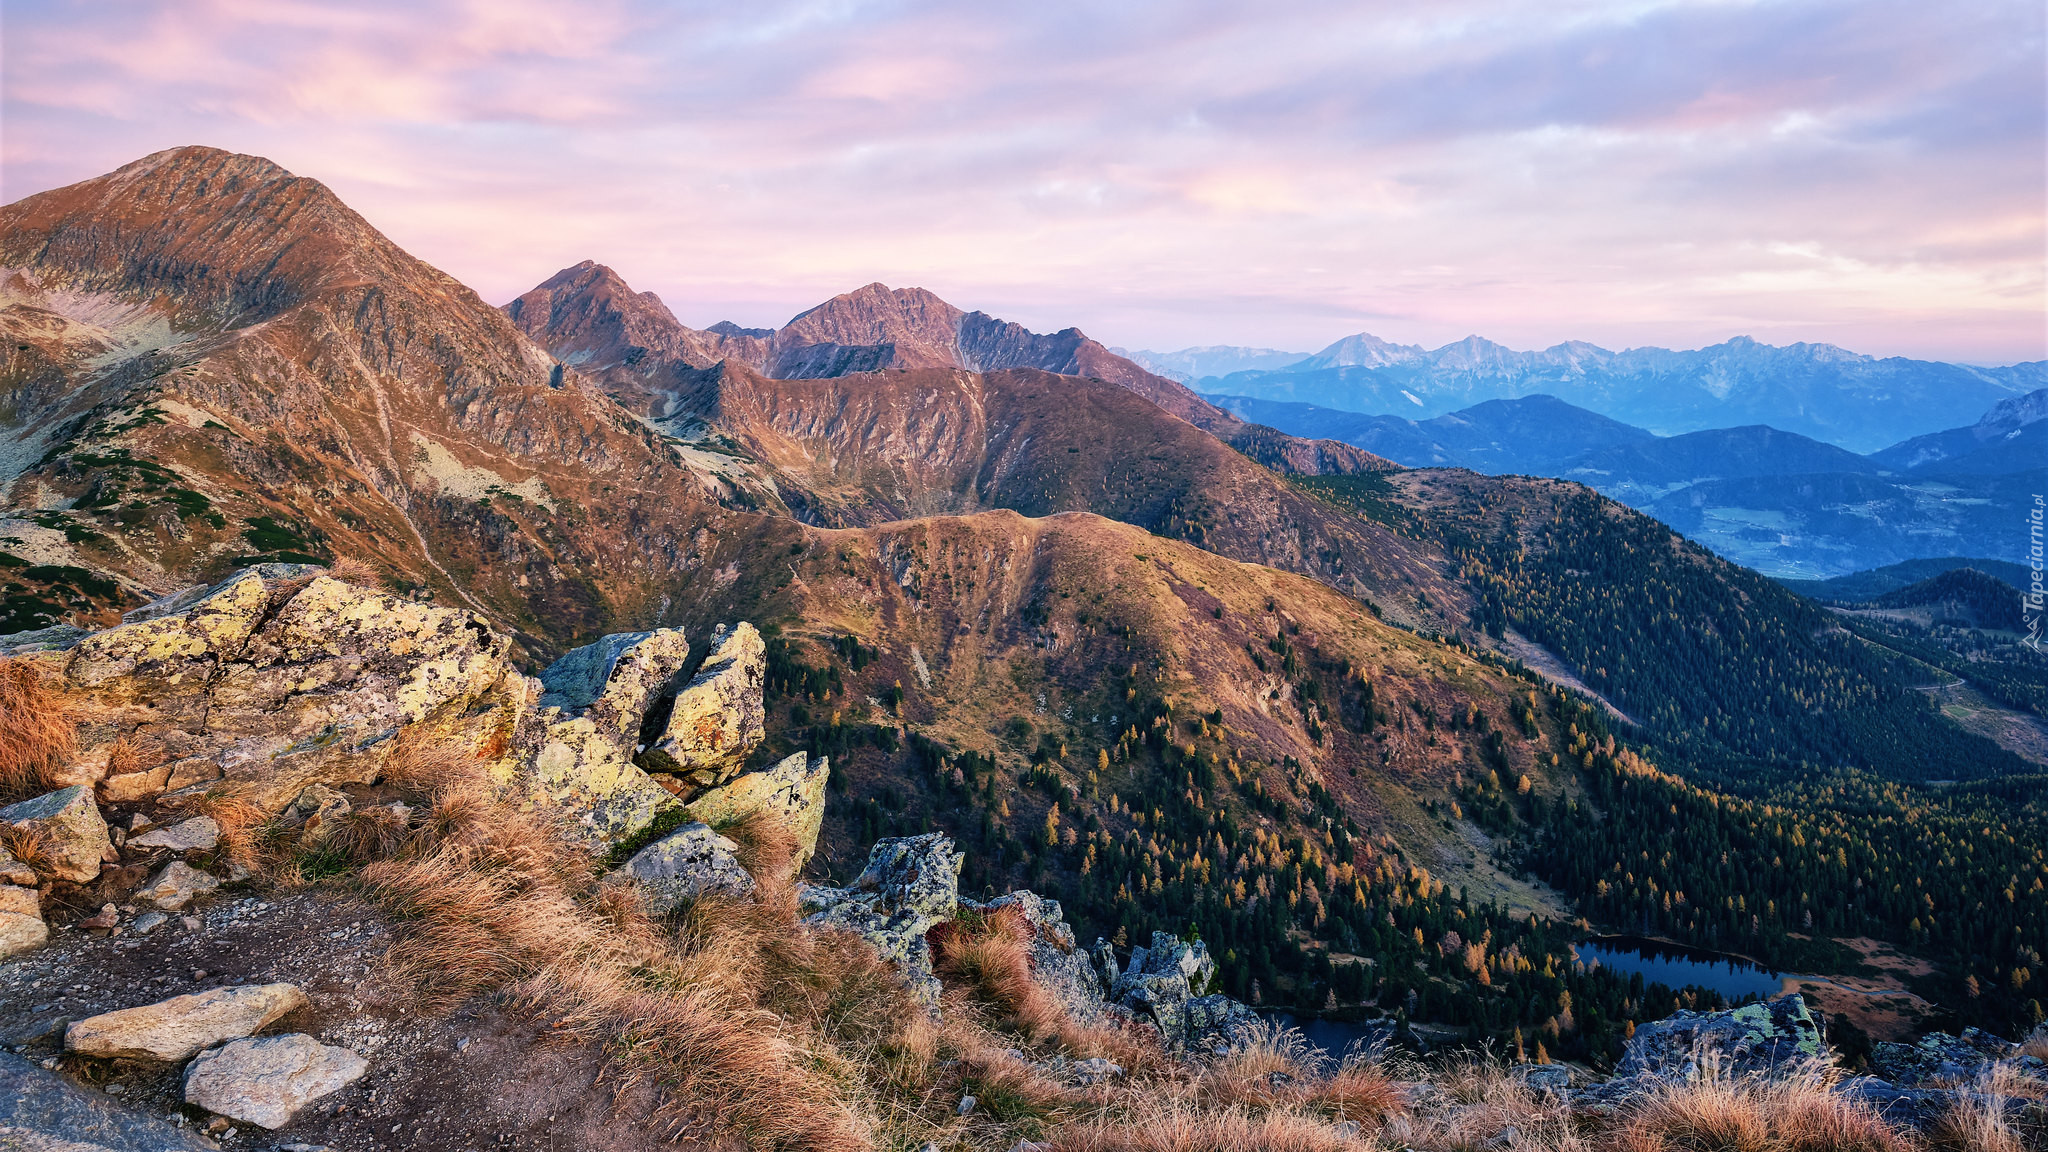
213, 361
630, 342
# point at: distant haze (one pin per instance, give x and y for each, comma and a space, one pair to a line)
1164, 176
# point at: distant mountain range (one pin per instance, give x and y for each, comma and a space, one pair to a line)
1861, 403
1780, 502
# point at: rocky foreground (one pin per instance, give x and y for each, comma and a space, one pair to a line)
316, 866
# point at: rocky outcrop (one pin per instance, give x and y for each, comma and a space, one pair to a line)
173, 1030
792, 793
717, 721
279, 678
684, 865
591, 707
1168, 983
1060, 967
267, 1081
911, 884
70, 835
41, 1111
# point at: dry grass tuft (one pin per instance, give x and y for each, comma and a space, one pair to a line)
350, 570
1981, 1121
1720, 1113
1179, 1126
991, 956
26, 845
38, 729
248, 834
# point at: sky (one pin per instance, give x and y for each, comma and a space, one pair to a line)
1160, 174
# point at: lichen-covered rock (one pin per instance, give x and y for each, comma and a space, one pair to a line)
1939, 1057
684, 865
717, 721
69, 829
279, 678
1755, 1038
1217, 1021
172, 1030
910, 885
592, 703
41, 1111
1163, 980
198, 834
175, 885
793, 792
265, 1082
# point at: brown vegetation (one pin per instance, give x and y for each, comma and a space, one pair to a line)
38, 729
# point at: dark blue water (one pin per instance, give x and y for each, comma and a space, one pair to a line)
1334, 1038
1667, 964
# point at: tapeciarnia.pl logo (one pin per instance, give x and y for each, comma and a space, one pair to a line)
2036, 597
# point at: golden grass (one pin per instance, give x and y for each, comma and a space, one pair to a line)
1182, 1126
350, 570
38, 729
1715, 1112
991, 956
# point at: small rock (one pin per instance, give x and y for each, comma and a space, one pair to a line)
967, 1104
148, 922
21, 901
198, 834
68, 823
174, 1029
175, 885
1095, 1069
105, 918
190, 923
13, 871
1345, 1129
684, 865
266, 1081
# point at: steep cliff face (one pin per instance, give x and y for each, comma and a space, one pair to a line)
222, 362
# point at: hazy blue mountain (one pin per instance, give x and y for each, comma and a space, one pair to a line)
1853, 401
2012, 437
1785, 504
1190, 364
1861, 587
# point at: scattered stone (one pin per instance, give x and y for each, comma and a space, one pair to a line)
105, 918
199, 834
266, 1081
793, 792
1095, 1070
148, 922
716, 722
174, 1029
68, 826
175, 885
316, 810
1552, 1078
43, 1112
684, 865
910, 885
967, 1104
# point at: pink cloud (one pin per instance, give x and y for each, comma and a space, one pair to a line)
1160, 174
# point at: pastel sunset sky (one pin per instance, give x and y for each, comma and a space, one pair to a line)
1280, 174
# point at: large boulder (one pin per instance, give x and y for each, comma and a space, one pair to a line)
43, 1112
1217, 1021
276, 679
68, 829
1939, 1057
592, 703
910, 885
717, 721
267, 1081
793, 792
1759, 1038
684, 865
174, 1029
